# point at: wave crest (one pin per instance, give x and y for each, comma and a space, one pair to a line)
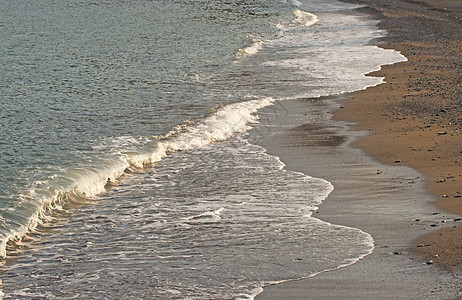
250, 50
92, 178
303, 18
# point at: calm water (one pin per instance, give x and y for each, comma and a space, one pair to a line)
124, 137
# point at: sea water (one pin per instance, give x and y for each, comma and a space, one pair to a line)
126, 130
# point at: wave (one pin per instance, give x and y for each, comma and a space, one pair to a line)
207, 217
303, 18
368, 241
250, 50
91, 179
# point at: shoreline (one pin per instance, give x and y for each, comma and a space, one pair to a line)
413, 257
415, 118
382, 200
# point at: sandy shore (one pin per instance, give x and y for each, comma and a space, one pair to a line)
385, 201
411, 126
415, 118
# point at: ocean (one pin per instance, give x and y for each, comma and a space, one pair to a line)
128, 144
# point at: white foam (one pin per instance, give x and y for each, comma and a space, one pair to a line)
90, 180
303, 18
219, 126
250, 50
206, 217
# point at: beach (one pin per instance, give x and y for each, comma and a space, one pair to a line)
130, 131
213, 149
393, 155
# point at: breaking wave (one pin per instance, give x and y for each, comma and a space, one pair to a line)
91, 179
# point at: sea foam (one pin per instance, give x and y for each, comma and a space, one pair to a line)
251, 50
87, 181
303, 18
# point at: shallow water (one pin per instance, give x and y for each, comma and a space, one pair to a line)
95, 93
220, 221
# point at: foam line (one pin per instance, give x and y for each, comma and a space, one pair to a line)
88, 181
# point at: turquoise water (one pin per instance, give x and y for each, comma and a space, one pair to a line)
126, 153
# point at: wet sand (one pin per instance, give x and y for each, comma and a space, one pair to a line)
402, 154
389, 202
415, 118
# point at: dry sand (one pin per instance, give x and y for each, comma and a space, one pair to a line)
413, 120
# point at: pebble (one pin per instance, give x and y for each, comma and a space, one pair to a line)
424, 245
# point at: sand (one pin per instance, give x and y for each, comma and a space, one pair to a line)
387, 201
397, 169
415, 118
